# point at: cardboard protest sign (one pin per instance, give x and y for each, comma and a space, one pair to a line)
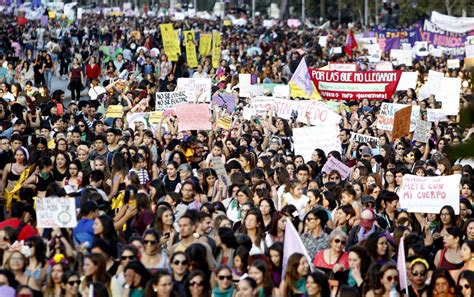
407, 81
52, 212
343, 66
421, 48
436, 115
429, 194
169, 100
422, 131
205, 44
170, 42
190, 45
197, 90
217, 164
114, 111
361, 138
334, 164
358, 85
282, 91
386, 116
225, 101
224, 122
193, 117
216, 49
401, 123
449, 95
401, 57
324, 136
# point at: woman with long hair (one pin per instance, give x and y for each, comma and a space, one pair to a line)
95, 271
259, 271
104, 228
419, 269
12, 173
42, 177
61, 167
442, 284
163, 222
449, 257
275, 254
378, 247
17, 263
277, 229
154, 257
387, 279
160, 285
253, 226
70, 282
224, 286
37, 265
129, 253
359, 263
317, 285
179, 270
267, 208
72, 176
76, 80
118, 173
197, 285
314, 238
54, 281
227, 243
297, 270
466, 283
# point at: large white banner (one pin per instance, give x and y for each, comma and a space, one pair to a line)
308, 139
452, 24
429, 194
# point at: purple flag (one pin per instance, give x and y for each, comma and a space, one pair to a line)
224, 100
44, 20
392, 43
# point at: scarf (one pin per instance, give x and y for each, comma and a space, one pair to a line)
362, 235
226, 293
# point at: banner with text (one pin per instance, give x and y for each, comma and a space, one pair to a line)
355, 85
169, 100
429, 194
449, 42
52, 212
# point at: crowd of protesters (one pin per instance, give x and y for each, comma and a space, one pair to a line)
153, 217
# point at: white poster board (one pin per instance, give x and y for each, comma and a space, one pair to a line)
407, 81
52, 212
324, 137
198, 90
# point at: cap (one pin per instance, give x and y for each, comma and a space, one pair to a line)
367, 218
367, 198
185, 167
366, 151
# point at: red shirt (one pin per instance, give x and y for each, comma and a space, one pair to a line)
92, 71
26, 232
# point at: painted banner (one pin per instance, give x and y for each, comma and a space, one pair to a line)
401, 122
422, 131
205, 44
361, 138
452, 24
436, 115
386, 117
358, 85
190, 45
197, 90
216, 49
449, 42
324, 137
225, 101
193, 117
53, 212
169, 100
170, 42
429, 194
334, 164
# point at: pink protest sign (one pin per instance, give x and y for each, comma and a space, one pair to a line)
193, 117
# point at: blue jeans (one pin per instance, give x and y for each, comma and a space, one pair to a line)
48, 76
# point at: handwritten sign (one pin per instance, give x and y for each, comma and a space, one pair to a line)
334, 164
321, 136
386, 117
155, 117
361, 138
168, 100
193, 117
197, 90
453, 63
225, 101
318, 112
56, 212
114, 111
401, 123
224, 122
422, 131
217, 164
429, 194
436, 115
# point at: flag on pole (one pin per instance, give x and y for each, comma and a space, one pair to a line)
301, 84
401, 266
293, 244
351, 43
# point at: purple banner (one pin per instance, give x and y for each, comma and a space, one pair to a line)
405, 35
451, 43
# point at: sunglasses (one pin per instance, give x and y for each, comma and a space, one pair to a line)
223, 277
337, 240
177, 262
128, 258
72, 283
199, 284
418, 273
466, 286
394, 278
152, 242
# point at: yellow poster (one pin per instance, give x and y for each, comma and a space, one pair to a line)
52, 14
114, 111
297, 92
205, 43
224, 122
170, 42
216, 49
190, 49
155, 117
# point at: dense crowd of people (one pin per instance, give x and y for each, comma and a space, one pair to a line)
154, 219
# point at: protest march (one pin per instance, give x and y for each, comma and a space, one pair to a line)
149, 151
